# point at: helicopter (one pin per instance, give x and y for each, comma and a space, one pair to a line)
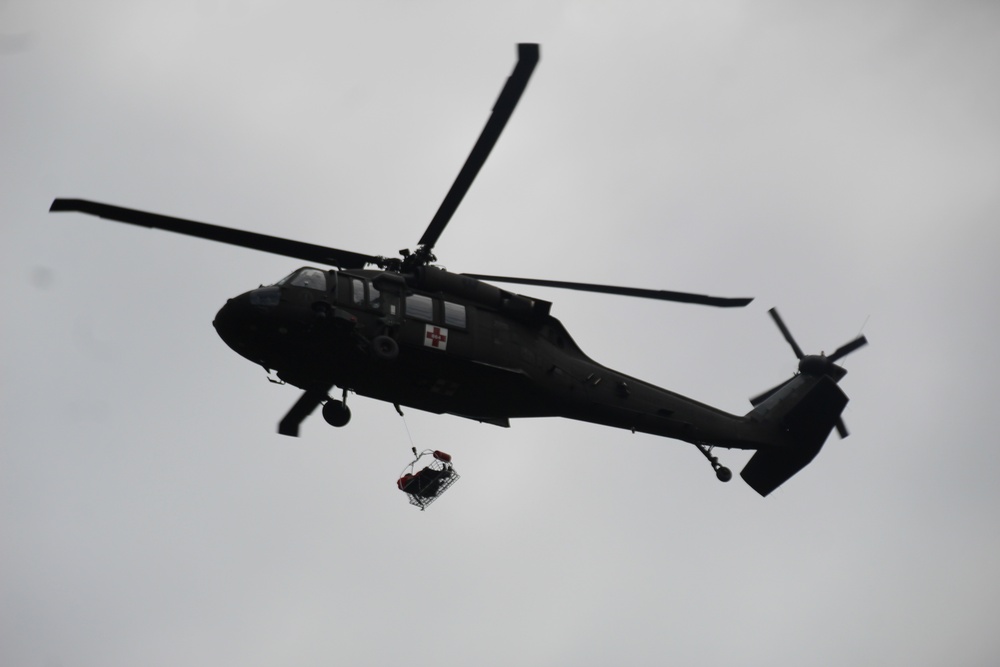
407, 331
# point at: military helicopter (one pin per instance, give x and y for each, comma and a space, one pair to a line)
414, 334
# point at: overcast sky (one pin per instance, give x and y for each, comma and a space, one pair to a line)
838, 160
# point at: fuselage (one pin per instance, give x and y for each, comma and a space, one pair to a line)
465, 348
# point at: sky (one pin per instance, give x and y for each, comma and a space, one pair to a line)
840, 161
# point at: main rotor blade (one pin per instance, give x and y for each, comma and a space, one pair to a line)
527, 58
663, 295
760, 398
786, 333
847, 348
307, 251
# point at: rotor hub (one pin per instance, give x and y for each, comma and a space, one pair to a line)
814, 364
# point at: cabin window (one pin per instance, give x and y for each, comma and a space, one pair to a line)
374, 297
420, 307
454, 315
311, 278
357, 291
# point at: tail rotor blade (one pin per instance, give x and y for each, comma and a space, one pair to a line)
847, 348
760, 398
786, 333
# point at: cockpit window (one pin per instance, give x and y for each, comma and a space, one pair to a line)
311, 278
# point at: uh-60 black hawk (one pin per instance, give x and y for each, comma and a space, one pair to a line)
414, 334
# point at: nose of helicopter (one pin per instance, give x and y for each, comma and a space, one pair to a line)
262, 327
236, 326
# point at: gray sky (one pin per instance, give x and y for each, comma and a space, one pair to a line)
839, 160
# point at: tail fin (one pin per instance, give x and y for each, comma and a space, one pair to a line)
807, 408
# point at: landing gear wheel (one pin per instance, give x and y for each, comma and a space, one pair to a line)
336, 413
385, 348
724, 474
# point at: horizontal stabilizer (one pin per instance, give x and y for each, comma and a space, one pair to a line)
808, 422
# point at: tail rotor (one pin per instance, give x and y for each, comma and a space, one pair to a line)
813, 364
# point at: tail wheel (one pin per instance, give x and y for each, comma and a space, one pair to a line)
723, 473
385, 348
336, 413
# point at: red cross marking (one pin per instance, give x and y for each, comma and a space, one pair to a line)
436, 337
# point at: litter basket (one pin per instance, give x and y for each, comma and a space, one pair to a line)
427, 484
